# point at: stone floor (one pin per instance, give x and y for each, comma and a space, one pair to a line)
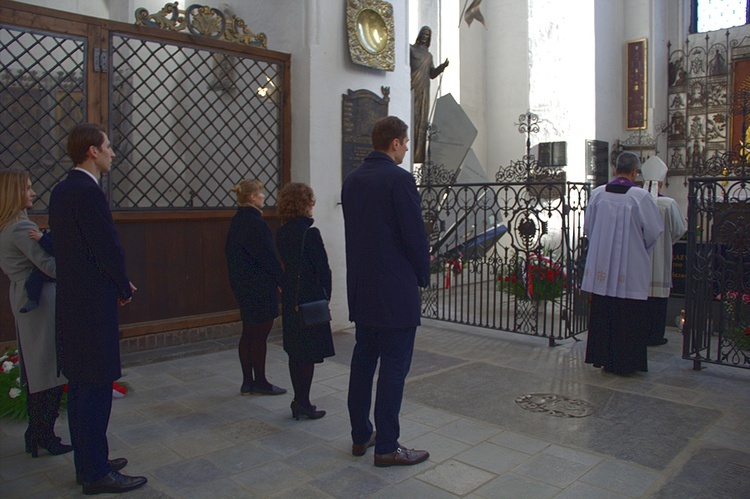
671, 432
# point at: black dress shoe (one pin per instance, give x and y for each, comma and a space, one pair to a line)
270, 390
113, 483
115, 464
657, 343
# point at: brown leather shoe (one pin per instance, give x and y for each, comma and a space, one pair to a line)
401, 457
361, 450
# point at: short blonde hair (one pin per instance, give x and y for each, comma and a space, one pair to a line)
294, 201
246, 188
12, 188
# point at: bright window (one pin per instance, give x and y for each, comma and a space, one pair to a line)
711, 15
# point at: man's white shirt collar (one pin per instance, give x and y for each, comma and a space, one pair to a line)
87, 173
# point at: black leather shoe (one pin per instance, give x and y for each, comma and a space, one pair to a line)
113, 483
270, 390
658, 343
361, 450
115, 464
401, 457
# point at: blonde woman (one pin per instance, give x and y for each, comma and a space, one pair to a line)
35, 330
255, 276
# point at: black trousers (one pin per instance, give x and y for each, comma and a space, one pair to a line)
394, 349
89, 407
656, 310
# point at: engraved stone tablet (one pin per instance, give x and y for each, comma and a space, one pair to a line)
455, 134
360, 110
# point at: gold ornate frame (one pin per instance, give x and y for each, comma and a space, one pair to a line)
371, 33
202, 20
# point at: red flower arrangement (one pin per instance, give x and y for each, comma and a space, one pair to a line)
535, 278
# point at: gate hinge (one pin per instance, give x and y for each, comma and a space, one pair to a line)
100, 60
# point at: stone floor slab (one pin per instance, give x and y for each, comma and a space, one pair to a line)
456, 477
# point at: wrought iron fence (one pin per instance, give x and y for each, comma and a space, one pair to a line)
717, 297
507, 256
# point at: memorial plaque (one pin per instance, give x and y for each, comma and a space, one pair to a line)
360, 110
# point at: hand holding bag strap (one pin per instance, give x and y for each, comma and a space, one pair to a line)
299, 272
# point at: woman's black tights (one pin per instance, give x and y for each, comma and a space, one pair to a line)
252, 350
301, 373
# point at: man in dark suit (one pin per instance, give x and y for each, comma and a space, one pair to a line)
387, 260
91, 282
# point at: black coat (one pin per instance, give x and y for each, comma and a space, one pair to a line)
254, 269
314, 343
91, 277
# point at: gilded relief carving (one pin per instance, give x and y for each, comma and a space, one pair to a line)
370, 27
204, 21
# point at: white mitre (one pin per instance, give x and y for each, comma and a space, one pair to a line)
654, 171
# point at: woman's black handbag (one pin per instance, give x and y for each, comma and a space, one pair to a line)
312, 313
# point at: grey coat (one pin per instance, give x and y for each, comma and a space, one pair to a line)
35, 330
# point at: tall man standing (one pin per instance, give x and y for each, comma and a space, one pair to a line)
91, 282
622, 224
387, 260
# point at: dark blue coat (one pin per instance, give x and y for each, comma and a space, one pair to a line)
91, 276
387, 257
314, 343
254, 270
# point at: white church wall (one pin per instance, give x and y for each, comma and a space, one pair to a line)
474, 86
507, 60
610, 71
562, 77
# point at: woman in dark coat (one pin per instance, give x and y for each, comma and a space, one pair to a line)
305, 346
255, 276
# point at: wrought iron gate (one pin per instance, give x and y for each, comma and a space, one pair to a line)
507, 256
717, 297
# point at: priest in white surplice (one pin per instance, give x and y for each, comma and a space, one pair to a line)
654, 173
622, 225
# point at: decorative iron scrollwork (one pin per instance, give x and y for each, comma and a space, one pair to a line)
202, 20
431, 174
529, 170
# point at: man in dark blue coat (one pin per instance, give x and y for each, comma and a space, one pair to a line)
91, 282
387, 260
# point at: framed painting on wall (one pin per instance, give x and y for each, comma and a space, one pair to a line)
637, 62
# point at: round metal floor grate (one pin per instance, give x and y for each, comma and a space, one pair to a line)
559, 406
